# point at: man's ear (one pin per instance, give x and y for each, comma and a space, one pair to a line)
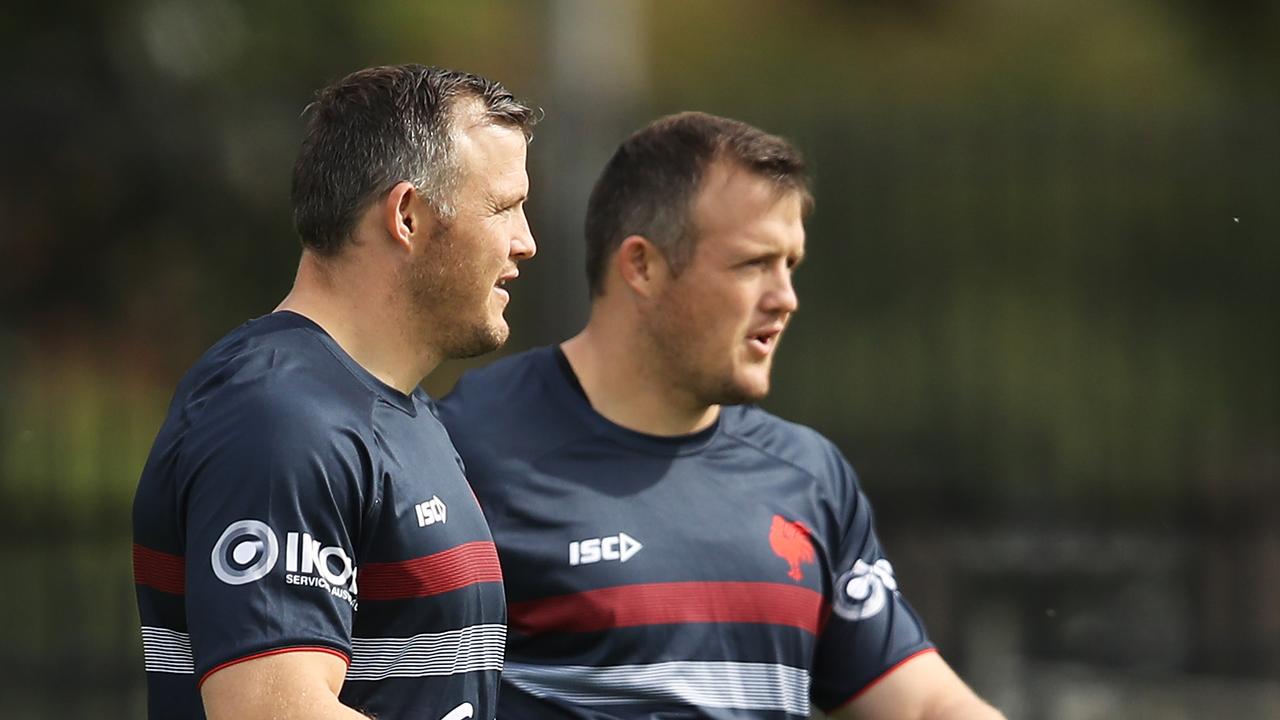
406, 217
641, 265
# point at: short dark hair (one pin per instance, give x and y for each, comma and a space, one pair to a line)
381, 126
649, 186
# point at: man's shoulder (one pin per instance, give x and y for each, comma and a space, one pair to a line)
273, 375
510, 412
507, 384
264, 405
784, 440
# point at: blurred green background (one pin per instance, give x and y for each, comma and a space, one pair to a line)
1035, 315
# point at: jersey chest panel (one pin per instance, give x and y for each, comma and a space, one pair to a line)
429, 539
605, 569
559, 526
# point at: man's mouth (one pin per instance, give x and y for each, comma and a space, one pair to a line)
765, 340
499, 286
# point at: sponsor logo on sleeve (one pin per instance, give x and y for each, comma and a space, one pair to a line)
308, 563
863, 591
248, 550
463, 712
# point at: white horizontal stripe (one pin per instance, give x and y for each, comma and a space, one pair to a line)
470, 649
738, 685
166, 651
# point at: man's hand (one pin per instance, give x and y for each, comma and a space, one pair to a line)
298, 684
922, 688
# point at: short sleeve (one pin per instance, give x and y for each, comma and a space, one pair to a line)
272, 512
871, 628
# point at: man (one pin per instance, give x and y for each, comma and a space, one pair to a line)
301, 474
668, 550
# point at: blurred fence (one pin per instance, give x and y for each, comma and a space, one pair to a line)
1052, 621
72, 438
1037, 313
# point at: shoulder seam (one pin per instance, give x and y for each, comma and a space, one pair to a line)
775, 456
374, 395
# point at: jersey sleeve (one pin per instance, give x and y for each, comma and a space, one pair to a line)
871, 628
271, 512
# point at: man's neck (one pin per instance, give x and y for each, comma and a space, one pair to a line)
366, 324
626, 384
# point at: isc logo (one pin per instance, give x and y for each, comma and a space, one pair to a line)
618, 547
431, 511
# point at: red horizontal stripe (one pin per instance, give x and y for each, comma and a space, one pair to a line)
159, 570
467, 564
670, 603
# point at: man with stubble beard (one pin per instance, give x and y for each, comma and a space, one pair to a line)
305, 543
669, 550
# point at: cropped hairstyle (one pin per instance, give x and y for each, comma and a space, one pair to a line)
649, 186
381, 126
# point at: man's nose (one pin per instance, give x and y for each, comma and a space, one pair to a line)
523, 245
782, 297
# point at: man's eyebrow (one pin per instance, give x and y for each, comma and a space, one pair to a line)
502, 201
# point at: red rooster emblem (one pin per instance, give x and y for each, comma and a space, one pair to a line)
790, 541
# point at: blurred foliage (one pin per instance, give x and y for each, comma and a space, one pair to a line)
1044, 241
1042, 266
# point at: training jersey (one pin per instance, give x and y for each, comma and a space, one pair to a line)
293, 501
731, 573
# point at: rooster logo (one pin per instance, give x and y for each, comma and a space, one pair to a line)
790, 540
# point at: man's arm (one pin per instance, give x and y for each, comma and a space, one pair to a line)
301, 684
922, 688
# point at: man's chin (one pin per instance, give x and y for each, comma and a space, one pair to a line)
754, 394
483, 340
744, 391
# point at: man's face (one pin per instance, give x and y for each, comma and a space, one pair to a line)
457, 282
719, 321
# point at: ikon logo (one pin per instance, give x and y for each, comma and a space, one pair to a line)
331, 563
463, 712
865, 590
618, 547
431, 511
248, 550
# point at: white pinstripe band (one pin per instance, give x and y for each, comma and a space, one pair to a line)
166, 651
738, 685
470, 649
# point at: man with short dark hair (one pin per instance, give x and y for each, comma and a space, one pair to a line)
301, 473
668, 549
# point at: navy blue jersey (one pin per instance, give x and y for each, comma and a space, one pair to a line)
732, 573
293, 501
